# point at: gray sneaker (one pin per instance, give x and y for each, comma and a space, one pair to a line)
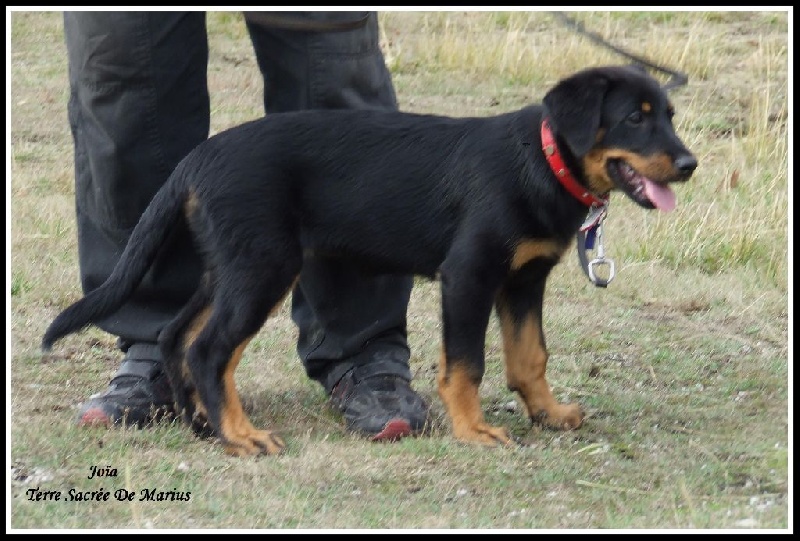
139, 393
378, 403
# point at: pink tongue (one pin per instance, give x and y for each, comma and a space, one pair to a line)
661, 196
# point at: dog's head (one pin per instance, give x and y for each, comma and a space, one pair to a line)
617, 124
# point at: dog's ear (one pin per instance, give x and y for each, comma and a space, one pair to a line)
574, 107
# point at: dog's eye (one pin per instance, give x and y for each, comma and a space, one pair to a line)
635, 118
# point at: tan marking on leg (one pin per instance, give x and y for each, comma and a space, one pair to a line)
191, 205
526, 363
459, 393
528, 249
240, 437
200, 414
197, 325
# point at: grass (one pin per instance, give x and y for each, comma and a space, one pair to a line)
682, 364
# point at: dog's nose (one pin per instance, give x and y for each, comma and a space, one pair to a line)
686, 164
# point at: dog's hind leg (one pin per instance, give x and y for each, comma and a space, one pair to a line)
519, 307
175, 339
245, 294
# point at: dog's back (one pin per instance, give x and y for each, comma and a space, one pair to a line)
383, 187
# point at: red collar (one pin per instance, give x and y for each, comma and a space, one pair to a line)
562, 172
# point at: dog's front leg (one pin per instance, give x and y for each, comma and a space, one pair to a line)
519, 307
467, 294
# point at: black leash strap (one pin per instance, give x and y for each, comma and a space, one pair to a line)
584, 261
677, 78
287, 21
589, 266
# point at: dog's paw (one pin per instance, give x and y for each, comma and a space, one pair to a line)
560, 416
200, 425
483, 433
253, 442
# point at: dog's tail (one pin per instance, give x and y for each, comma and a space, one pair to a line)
147, 237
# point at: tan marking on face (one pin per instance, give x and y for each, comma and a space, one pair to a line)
657, 167
595, 173
529, 249
646, 107
600, 134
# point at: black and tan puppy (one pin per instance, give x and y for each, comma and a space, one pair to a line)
475, 201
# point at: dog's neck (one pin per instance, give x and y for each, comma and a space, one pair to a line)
562, 172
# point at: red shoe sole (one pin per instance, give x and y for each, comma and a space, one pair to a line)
94, 417
393, 431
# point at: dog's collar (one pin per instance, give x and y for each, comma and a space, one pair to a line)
563, 173
592, 228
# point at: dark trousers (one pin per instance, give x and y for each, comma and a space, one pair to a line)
139, 103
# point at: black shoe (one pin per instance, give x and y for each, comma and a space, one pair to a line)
379, 403
139, 393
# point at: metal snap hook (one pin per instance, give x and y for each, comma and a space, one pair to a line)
597, 262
